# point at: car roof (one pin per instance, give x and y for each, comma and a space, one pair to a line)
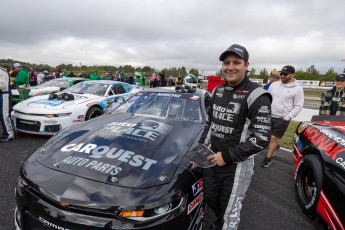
198, 92
106, 82
68, 78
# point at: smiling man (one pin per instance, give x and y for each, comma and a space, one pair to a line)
239, 124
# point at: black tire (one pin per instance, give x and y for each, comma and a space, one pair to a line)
308, 184
93, 112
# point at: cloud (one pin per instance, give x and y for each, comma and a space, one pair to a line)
166, 33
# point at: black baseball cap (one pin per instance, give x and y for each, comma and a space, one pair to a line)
288, 69
236, 49
340, 77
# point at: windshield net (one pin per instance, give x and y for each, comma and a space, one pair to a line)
168, 105
88, 88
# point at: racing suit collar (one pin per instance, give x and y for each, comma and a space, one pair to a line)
230, 88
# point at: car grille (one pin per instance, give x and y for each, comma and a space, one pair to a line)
28, 125
52, 128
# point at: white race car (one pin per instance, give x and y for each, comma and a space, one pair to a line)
52, 86
47, 114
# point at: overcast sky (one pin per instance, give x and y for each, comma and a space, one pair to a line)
174, 33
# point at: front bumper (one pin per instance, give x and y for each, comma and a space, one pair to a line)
40, 125
32, 212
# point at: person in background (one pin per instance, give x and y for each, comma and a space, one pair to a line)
33, 76
333, 101
65, 73
71, 74
288, 100
274, 76
239, 126
94, 76
5, 107
22, 82
153, 81
142, 80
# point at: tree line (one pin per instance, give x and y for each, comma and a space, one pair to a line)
310, 73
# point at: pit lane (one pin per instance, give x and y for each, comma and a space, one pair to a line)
270, 201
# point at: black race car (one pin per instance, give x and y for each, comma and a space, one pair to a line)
123, 170
319, 166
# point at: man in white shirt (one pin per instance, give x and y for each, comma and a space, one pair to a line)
288, 100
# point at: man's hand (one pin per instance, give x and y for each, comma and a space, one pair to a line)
287, 118
216, 159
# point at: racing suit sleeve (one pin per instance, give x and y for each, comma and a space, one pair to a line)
256, 133
207, 124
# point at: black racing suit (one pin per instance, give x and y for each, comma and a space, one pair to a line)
239, 122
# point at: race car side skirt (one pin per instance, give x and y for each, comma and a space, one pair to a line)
327, 212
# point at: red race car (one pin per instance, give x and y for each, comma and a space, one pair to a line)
319, 169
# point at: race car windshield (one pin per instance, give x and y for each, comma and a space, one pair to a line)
56, 83
88, 88
167, 105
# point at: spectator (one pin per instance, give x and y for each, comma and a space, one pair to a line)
5, 107
65, 73
153, 81
22, 82
274, 76
142, 80
33, 76
71, 74
332, 102
163, 81
239, 125
288, 100
94, 76
58, 74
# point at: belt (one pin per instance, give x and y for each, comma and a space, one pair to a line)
1, 92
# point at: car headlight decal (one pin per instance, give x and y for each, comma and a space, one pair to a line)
58, 115
143, 215
131, 213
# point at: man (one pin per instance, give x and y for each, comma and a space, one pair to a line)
22, 82
65, 73
239, 125
288, 100
5, 98
332, 102
94, 76
274, 76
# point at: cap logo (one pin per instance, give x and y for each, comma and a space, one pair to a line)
238, 49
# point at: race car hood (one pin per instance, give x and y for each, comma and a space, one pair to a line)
40, 104
122, 149
35, 91
38, 90
327, 137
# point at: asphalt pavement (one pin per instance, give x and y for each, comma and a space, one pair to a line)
270, 201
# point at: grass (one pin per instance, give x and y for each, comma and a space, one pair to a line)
313, 92
287, 140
